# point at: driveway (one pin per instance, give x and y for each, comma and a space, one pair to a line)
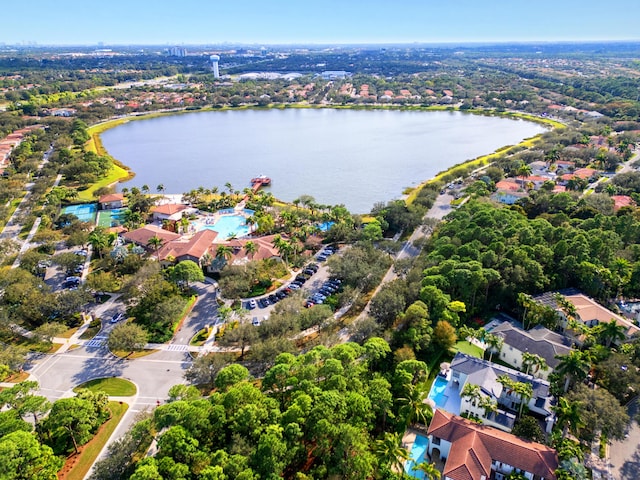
625, 454
204, 312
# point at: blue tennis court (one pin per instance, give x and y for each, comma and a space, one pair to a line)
85, 212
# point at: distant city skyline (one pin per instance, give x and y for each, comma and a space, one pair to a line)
142, 22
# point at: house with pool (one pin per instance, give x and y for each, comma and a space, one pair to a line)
495, 404
478, 452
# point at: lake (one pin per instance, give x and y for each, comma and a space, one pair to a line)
354, 157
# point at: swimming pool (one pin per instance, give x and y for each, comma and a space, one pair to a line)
85, 212
417, 453
437, 392
229, 225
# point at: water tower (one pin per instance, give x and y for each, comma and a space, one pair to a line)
214, 65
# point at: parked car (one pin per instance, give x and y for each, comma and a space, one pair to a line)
255, 322
117, 317
252, 304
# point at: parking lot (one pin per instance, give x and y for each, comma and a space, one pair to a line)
70, 276
312, 281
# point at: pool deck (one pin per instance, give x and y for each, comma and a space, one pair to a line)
452, 394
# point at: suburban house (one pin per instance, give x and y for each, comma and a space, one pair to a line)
587, 311
197, 248
478, 452
141, 236
539, 341
476, 371
111, 201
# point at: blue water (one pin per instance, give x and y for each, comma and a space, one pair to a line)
437, 392
85, 212
324, 227
417, 453
229, 225
354, 157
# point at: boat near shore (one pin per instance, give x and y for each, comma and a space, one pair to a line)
262, 180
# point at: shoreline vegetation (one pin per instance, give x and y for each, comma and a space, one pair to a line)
121, 173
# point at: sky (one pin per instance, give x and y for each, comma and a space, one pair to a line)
184, 22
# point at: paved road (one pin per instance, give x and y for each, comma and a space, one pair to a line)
440, 208
625, 454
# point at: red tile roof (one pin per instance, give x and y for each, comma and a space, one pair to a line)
169, 208
111, 197
195, 247
142, 235
474, 447
620, 201
508, 185
585, 172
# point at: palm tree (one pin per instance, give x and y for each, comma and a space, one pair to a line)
144, 188
156, 242
472, 392
573, 366
532, 360
523, 171
251, 248
98, 240
389, 451
229, 187
414, 408
568, 416
610, 332
225, 252
429, 469
495, 343
488, 405
568, 308
525, 392
525, 301
160, 188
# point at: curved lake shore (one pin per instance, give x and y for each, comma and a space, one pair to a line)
351, 156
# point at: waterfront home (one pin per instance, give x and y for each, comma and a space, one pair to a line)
539, 341
479, 452
497, 403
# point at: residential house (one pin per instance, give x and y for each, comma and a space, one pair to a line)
479, 452
539, 341
476, 371
111, 201
620, 201
587, 311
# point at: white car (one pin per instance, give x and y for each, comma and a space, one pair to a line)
117, 317
252, 304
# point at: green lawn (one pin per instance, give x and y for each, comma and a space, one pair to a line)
117, 173
91, 450
118, 387
466, 347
